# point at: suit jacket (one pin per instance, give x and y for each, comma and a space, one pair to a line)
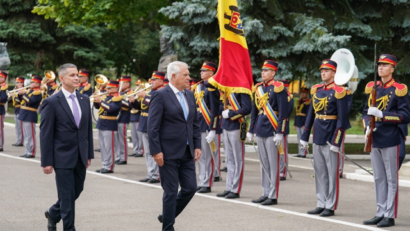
61, 142
168, 131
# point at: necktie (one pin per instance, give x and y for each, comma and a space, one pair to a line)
76, 113
182, 101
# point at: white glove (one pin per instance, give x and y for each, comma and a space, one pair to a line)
367, 133
278, 139
210, 137
249, 136
225, 114
305, 145
334, 148
375, 112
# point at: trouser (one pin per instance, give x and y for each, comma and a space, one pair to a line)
107, 146
234, 151
269, 164
19, 130
180, 171
402, 154
385, 173
121, 152
152, 166
1, 131
136, 138
217, 155
326, 165
206, 164
302, 151
70, 184
283, 159
342, 157
29, 130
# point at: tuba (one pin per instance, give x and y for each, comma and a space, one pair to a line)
347, 72
100, 80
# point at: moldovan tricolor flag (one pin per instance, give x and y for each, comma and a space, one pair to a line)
235, 71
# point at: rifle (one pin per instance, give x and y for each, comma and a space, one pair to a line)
369, 142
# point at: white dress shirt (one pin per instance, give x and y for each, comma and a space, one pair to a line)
70, 102
176, 91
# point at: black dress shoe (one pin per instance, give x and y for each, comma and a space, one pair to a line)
24, 156
373, 221
199, 188
51, 225
29, 156
316, 211
327, 213
121, 162
270, 202
17, 145
98, 170
152, 181
217, 179
160, 218
341, 176
225, 169
223, 194
232, 195
282, 178
205, 190
260, 199
133, 154
103, 170
116, 161
97, 150
1, 149
138, 155
144, 180
386, 222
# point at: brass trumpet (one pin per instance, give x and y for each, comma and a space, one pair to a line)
16, 90
136, 91
100, 80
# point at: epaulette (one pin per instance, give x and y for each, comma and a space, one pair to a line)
279, 86
117, 98
54, 86
193, 87
401, 89
256, 86
307, 102
340, 92
369, 87
4, 87
348, 91
87, 87
37, 92
314, 88
129, 92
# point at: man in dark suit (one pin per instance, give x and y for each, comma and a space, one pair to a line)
66, 140
175, 141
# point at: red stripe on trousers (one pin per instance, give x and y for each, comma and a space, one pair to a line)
212, 170
285, 158
243, 162
343, 151
396, 198
337, 182
34, 139
125, 141
277, 174
113, 152
2, 132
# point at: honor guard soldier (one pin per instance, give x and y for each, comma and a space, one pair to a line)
124, 119
16, 100
28, 114
85, 87
268, 121
109, 106
51, 87
392, 108
136, 136
328, 115
208, 122
3, 100
157, 81
238, 106
284, 158
302, 106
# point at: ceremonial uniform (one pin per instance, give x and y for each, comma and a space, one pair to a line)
328, 115
123, 121
284, 160
302, 106
3, 101
152, 166
268, 117
136, 136
51, 88
107, 126
239, 106
28, 114
85, 87
16, 100
392, 108
208, 122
